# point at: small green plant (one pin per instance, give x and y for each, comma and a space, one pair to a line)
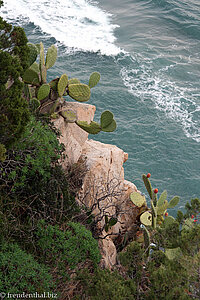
20, 272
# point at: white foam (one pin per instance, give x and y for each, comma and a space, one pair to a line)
78, 24
179, 103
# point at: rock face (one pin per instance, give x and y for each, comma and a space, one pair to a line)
73, 137
104, 189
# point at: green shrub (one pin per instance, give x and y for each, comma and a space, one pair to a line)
31, 156
106, 285
33, 185
19, 272
132, 259
14, 113
67, 248
168, 278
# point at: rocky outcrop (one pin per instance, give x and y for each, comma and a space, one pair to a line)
72, 136
104, 188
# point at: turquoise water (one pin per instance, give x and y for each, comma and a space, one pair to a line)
148, 55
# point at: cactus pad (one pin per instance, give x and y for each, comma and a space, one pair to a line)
43, 92
92, 128
161, 209
74, 81
137, 199
154, 210
62, 84
79, 92
51, 57
148, 186
169, 220
111, 127
146, 218
69, 115
43, 70
162, 199
31, 77
173, 253
32, 54
108, 124
94, 79
174, 201
106, 118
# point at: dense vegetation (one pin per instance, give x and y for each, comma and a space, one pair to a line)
43, 245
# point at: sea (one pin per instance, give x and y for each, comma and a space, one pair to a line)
148, 55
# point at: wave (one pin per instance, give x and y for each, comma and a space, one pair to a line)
78, 24
180, 103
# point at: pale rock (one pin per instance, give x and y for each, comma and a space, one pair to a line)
108, 252
73, 137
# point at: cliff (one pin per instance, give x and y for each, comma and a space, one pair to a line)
103, 189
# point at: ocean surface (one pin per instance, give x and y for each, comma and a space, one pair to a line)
148, 54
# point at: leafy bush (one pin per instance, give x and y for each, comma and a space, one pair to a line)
106, 285
33, 184
14, 113
32, 155
19, 272
67, 248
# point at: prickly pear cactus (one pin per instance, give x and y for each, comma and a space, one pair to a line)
69, 115
62, 84
173, 202
162, 199
146, 218
51, 57
162, 208
31, 77
138, 199
108, 123
74, 81
148, 186
169, 220
94, 79
173, 253
92, 128
43, 92
43, 70
32, 54
80, 92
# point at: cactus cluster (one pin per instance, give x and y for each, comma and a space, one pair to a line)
48, 97
154, 216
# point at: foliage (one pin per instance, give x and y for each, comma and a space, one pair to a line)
33, 184
106, 285
31, 156
14, 113
66, 248
19, 272
168, 279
